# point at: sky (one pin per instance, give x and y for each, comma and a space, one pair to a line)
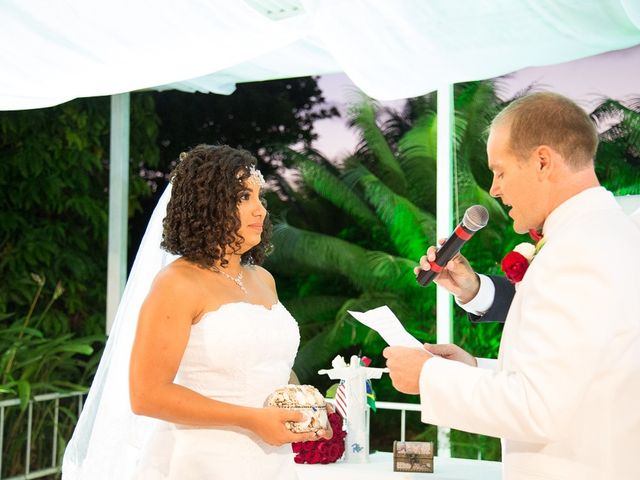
613, 74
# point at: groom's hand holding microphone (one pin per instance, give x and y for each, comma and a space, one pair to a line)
449, 269
446, 266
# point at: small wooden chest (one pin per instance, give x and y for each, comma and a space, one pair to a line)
413, 457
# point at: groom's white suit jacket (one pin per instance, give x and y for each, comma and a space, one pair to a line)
565, 395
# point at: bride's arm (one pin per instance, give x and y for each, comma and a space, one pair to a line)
163, 331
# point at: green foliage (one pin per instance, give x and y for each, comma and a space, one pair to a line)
618, 158
381, 223
37, 360
54, 203
53, 211
257, 117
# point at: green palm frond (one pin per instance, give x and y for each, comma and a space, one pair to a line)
365, 269
617, 173
476, 104
363, 115
328, 186
618, 156
417, 155
318, 352
470, 193
315, 251
382, 265
314, 310
410, 228
624, 124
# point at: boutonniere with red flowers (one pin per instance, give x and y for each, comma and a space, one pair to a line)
515, 263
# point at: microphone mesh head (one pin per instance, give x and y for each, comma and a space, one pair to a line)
475, 218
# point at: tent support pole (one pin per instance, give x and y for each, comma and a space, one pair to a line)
118, 203
444, 209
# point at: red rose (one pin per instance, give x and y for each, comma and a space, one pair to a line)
335, 420
335, 451
514, 265
322, 451
314, 457
321, 446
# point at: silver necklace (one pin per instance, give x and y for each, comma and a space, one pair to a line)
237, 279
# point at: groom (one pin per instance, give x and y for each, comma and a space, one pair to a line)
563, 396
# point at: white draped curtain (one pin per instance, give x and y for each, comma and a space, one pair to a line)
52, 51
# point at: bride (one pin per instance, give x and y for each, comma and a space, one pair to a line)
180, 395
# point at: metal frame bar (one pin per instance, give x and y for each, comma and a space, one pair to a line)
444, 224
118, 203
14, 402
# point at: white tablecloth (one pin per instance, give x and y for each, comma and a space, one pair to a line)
381, 468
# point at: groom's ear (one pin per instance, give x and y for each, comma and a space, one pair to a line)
546, 160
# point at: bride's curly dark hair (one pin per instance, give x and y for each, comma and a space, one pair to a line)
202, 216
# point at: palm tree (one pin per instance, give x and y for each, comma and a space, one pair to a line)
618, 158
353, 232
380, 203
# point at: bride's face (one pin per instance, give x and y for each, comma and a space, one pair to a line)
251, 213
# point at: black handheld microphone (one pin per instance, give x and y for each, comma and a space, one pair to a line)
474, 219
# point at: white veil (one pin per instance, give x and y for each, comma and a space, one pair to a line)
108, 437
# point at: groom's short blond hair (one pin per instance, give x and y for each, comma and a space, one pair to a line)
550, 119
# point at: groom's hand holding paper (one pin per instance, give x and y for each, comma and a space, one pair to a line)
405, 355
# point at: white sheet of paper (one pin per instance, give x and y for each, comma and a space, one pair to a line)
384, 321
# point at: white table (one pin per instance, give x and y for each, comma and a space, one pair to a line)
380, 467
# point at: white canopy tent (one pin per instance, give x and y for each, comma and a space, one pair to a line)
54, 51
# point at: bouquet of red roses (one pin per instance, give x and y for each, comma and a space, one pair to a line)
322, 451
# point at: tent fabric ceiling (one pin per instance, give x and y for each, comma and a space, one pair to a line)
52, 52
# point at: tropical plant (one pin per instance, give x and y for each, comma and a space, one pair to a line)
53, 212
618, 159
54, 175
381, 202
37, 359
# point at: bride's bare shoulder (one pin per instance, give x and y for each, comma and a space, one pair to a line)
264, 276
180, 275
176, 291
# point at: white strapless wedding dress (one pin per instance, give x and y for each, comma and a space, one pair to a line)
238, 354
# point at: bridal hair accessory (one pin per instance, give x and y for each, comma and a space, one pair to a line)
515, 263
255, 176
237, 279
